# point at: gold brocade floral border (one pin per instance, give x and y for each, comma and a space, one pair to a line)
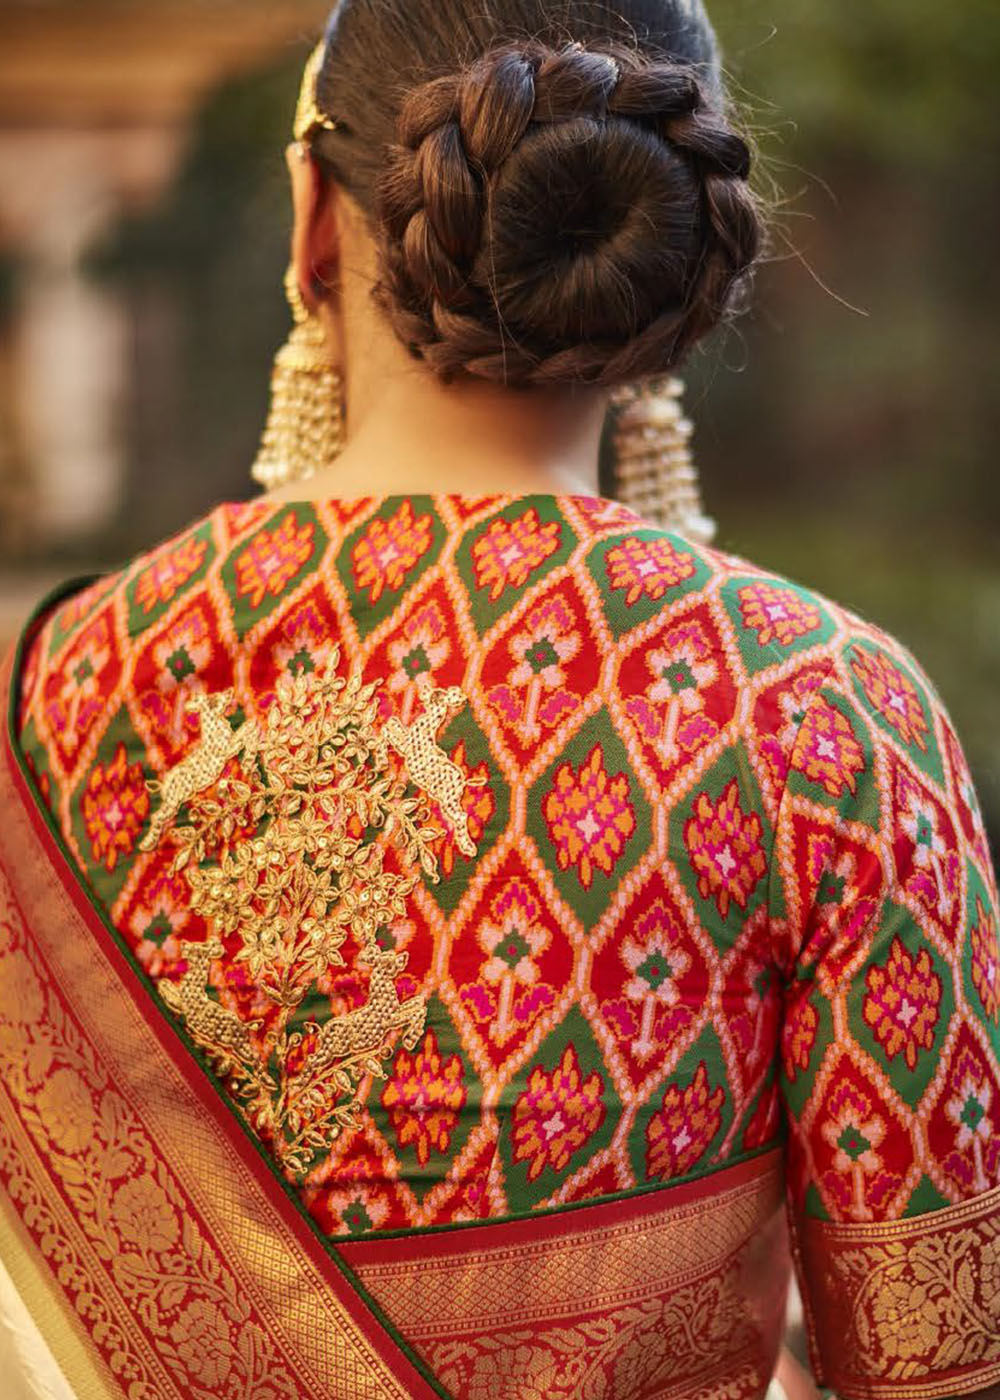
167, 1258
665, 1294
908, 1310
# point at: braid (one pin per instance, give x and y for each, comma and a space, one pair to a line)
553, 215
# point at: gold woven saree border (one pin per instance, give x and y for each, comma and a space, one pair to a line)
909, 1309
663, 1293
178, 1258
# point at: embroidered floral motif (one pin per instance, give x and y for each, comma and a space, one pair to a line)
892, 694
985, 974
647, 568
556, 1115
389, 549
276, 857
509, 552
169, 572
424, 1098
535, 696
725, 847
777, 614
115, 806
902, 1003
273, 558
589, 817
680, 1132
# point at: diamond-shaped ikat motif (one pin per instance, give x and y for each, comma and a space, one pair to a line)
510, 965
677, 691
541, 670
774, 620
505, 555
651, 982
926, 853
299, 642
963, 1131
75, 690
182, 657
422, 648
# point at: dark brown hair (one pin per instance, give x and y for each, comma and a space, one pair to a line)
557, 197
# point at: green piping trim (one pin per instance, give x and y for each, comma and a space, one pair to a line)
329, 1250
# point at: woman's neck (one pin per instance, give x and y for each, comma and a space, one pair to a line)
411, 434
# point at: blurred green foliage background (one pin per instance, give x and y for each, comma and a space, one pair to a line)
846, 427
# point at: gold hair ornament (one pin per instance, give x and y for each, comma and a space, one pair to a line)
305, 423
654, 471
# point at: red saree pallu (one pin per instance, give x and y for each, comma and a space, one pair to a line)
159, 1255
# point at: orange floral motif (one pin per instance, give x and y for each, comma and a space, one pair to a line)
985, 973
902, 1003
388, 550
679, 1133
273, 558
724, 844
777, 614
892, 694
647, 567
425, 1097
169, 572
589, 817
115, 806
799, 1036
556, 1115
826, 750
511, 550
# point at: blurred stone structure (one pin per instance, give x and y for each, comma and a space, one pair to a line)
96, 102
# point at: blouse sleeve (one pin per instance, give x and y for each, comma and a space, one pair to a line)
890, 1055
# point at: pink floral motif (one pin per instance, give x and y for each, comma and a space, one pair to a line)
589, 816
389, 549
826, 750
656, 958
421, 648
985, 973
115, 806
854, 1132
902, 1003
969, 1110
682, 668
78, 692
512, 940
556, 1115
935, 875
892, 694
777, 614
510, 551
169, 571
647, 568
725, 848
541, 650
180, 656
306, 645
425, 1097
273, 558
680, 1132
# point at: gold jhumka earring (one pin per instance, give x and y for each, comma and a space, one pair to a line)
654, 472
305, 423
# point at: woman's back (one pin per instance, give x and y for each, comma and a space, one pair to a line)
637, 865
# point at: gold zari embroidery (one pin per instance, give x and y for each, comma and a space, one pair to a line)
285, 855
910, 1308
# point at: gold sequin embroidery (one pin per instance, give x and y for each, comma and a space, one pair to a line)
290, 822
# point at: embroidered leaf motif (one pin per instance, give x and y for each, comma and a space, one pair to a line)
289, 825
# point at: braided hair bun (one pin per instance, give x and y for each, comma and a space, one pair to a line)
563, 215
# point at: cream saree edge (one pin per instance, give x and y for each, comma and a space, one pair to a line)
174, 1261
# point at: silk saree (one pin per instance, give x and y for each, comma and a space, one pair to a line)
460, 946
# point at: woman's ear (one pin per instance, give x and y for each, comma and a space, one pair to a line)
316, 233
